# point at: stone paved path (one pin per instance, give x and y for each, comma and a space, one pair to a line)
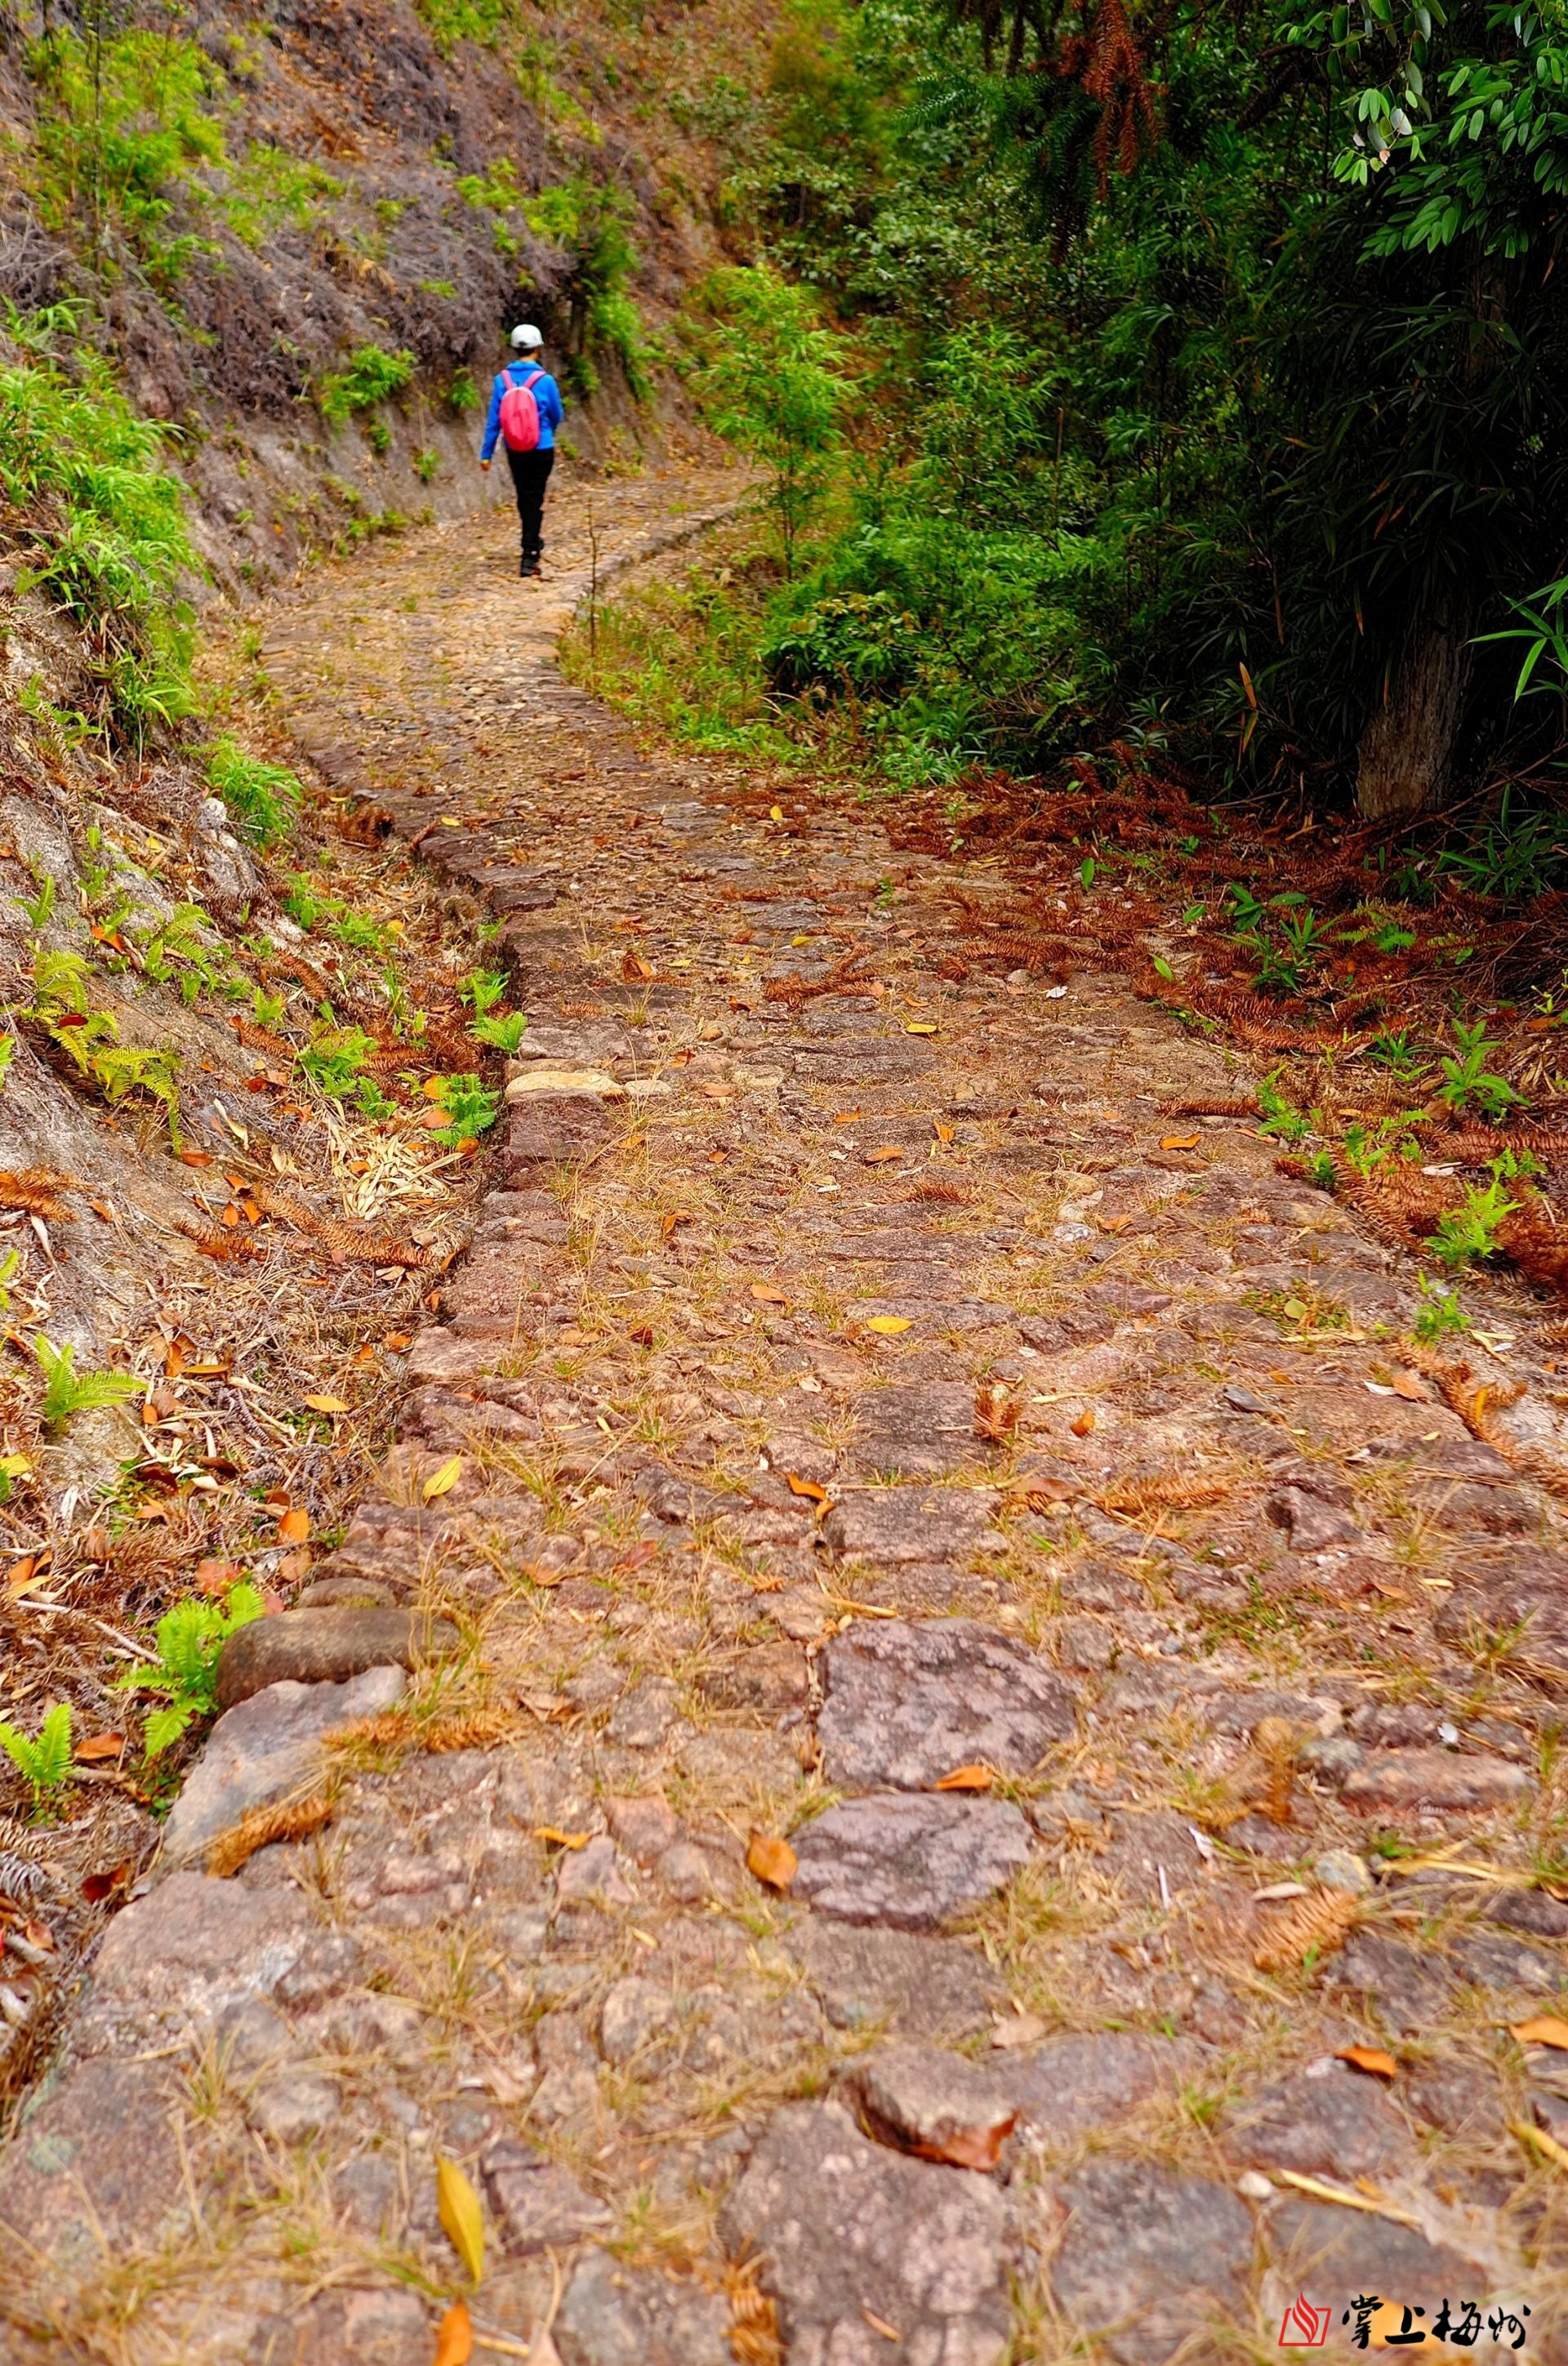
875, 1430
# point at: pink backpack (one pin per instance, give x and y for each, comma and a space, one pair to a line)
519, 414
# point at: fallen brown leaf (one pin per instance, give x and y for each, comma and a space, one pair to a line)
808, 1488
771, 1860
1412, 1388
1180, 1141
295, 1525
94, 1748
764, 1292
879, 1157
1371, 2058
978, 1778
1541, 2028
1083, 1424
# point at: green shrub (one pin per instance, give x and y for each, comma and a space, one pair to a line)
102, 525
372, 376
121, 132
263, 799
451, 21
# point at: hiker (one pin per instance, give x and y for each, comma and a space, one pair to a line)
524, 411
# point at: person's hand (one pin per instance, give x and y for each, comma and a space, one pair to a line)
484, 464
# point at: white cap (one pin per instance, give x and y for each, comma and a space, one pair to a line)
526, 337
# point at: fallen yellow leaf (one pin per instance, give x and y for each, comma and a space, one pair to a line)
921, 1027
771, 1860
561, 1840
890, 1326
455, 2341
461, 2216
775, 813
768, 1295
846, 1117
978, 1778
1542, 2029
328, 1405
1084, 1423
435, 1089
807, 1487
942, 1133
1180, 1141
442, 1481
295, 1525
878, 1157
799, 941
1371, 2058
1548, 2146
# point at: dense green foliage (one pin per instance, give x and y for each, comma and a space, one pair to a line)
102, 521
1212, 381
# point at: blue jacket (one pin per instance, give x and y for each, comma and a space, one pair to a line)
546, 394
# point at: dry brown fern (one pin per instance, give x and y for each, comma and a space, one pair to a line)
1168, 1491
283, 1821
234, 1247
995, 1415
345, 1242
846, 975
755, 2338
1317, 1925
1196, 1107
35, 1191
479, 1730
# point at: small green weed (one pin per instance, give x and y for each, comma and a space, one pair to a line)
68, 1391
189, 1638
484, 988
504, 1034
44, 1762
1283, 1120
1468, 1233
336, 1058
263, 799
1467, 1080
470, 1110
1440, 1316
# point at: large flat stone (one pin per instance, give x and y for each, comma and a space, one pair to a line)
94, 2168
1149, 2259
916, 1431
910, 1859
916, 1987
327, 1647
850, 2233
1071, 2086
1328, 2123
192, 1948
902, 1524
907, 1703
271, 1747
923, 2100
616, 2316
534, 2202
1399, 1781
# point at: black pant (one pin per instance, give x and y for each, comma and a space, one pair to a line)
530, 475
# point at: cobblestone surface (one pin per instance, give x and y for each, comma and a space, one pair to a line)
878, 1441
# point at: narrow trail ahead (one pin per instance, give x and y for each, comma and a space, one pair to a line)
866, 1418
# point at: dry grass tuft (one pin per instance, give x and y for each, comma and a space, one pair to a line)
284, 1820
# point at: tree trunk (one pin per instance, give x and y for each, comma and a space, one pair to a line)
1405, 763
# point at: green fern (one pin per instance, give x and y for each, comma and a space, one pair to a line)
189, 1638
44, 1762
68, 1391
